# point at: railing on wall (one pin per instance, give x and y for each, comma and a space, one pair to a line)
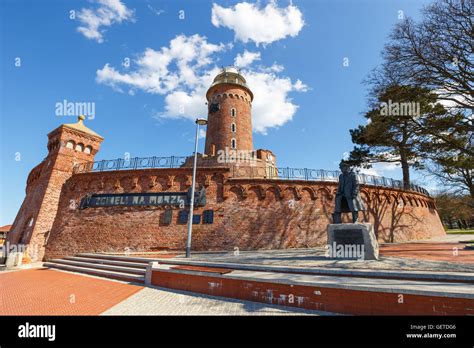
242, 172
132, 163
318, 175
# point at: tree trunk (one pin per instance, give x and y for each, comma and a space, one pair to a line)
450, 223
405, 170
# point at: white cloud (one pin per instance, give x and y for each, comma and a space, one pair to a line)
154, 10
264, 25
368, 171
380, 169
183, 72
94, 21
180, 71
271, 106
377, 169
300, 86
456, 102
246, 59
154, 73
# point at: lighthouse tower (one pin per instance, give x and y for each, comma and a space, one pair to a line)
229, 118
229, 129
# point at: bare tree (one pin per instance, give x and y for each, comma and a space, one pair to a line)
437, 54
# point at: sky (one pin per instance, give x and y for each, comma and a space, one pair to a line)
145, 67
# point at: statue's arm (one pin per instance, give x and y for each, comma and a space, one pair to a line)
355, 186
339, 187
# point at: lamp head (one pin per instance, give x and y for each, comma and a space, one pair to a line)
201, 121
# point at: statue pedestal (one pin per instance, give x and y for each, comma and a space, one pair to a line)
352, 241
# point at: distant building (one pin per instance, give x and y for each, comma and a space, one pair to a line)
4, 232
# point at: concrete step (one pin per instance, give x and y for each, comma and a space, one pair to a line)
98, 272
335, 294
107, 262
145, 260
436, 276
101, 266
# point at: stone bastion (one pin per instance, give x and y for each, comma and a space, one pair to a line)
248, 213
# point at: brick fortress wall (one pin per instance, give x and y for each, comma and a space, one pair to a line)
249, 213
32, 226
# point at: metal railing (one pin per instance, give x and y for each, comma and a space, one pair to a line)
132, 163
280, 173
318, 175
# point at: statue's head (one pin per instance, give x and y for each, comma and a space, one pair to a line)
345, 167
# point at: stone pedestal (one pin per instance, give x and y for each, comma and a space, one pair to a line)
352, 241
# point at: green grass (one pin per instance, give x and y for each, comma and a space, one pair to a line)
459, 231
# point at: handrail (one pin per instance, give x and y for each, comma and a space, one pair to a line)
281, 173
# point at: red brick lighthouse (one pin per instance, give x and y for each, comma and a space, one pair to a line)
229, 113
229, 128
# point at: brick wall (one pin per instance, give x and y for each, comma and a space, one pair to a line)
37, 213
249, 214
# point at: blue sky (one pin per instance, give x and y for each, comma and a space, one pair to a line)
306, 100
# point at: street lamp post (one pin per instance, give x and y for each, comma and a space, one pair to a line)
199, 122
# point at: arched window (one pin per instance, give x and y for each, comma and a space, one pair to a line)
233, 112
88, 149
233, 144
79, 147
70, 144
233, 127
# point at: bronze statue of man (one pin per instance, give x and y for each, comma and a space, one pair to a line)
347, 195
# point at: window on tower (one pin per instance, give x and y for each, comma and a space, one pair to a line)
233, 144
233, 112
233, 127
214, 107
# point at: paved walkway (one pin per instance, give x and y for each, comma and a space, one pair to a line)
50, 292
441, 257
450, 252
54, 292
159, 301
452, 237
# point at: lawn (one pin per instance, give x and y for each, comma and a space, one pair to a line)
459, 231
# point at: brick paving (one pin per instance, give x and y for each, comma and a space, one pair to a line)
159, 301
51, 292
450, 252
